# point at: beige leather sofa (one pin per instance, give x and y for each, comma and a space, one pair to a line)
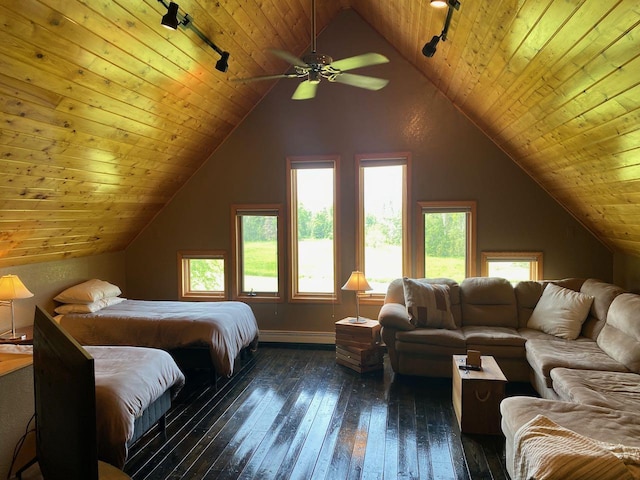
589, 384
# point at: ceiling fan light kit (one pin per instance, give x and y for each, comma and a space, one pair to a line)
315, 66
429, 48
170, 20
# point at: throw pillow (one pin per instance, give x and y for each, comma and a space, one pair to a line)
428, 304
87, 307
560, 312
88, 292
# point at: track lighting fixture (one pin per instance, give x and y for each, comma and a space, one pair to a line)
429, 48
446, 3
171, 20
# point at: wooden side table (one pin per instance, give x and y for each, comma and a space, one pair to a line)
477, 396
358, 345
28, 336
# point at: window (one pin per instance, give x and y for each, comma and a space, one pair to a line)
447, 232
202, 275
313, 220
383, 231
256, 252
514, 266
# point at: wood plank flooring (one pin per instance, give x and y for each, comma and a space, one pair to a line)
293, 413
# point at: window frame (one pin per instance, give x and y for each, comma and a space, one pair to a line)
183, 275
310, 162
535, 260
363, 161
236, 238
469, 207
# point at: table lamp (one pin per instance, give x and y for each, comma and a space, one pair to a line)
357, 283
11, 288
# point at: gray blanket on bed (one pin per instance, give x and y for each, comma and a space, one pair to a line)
128, 380
224, 327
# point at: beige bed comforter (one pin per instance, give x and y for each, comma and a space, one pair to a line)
224, 327
128, 380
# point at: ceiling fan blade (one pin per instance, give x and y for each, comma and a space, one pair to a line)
359, 61
289, 57
361, 81
305, 90
266, 77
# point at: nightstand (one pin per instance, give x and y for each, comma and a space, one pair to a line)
27, 340
358, 345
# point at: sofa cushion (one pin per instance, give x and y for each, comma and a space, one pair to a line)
433, 336
488, 301
620, 336
619, 390
493, 336
428, 304
602, 424
603, 294
560, 312
545, 355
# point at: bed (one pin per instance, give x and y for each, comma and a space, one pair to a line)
133, 389
223, 328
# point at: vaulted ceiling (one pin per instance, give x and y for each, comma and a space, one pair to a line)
105, 114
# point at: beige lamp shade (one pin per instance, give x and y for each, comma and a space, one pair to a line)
12, 288
357, 283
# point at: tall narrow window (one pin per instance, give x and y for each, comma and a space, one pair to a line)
312, 207
257, 246
448, 239
202, 275
383, 229
514, 266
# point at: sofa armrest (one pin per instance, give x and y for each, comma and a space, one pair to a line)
394, 315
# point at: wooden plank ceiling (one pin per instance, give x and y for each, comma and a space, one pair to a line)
105, 114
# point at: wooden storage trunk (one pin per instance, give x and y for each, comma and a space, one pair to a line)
477, 396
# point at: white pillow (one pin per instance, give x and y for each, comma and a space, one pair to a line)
88, 292
560, 312
428, 305
87, 307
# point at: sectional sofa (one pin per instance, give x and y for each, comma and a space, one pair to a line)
577, 341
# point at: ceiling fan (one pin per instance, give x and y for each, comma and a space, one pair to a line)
316, 66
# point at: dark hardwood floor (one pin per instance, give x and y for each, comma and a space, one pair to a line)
293, 413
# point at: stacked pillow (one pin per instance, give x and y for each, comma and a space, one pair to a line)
88, 297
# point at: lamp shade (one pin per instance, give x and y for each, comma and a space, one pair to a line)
439, 3
357, 282
11, 288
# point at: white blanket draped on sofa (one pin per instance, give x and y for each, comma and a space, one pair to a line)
545, 451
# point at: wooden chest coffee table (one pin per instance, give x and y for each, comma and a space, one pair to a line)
477, 396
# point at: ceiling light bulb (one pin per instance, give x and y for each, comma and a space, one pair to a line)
439, 3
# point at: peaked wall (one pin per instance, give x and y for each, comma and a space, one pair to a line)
452, 160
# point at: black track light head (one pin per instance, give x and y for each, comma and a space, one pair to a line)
170, 20
222, 65
429, 48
